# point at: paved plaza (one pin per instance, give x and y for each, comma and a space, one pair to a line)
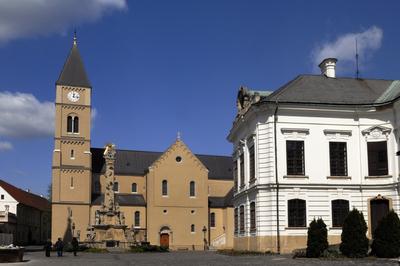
184, 259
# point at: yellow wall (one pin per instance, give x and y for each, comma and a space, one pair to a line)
181, 210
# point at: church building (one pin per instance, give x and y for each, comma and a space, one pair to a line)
318, 146
113, 197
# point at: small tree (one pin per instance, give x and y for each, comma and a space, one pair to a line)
354, 240
386, 242
317, 238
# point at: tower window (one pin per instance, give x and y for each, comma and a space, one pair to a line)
72, 182
192, 228
72, 124
72, 154
165, 188
192, 189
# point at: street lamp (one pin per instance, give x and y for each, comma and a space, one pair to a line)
204, 235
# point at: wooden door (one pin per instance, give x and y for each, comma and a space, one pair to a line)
164, 240
379, 209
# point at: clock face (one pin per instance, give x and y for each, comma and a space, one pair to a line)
73, 96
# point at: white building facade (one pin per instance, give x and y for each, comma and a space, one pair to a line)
317, 147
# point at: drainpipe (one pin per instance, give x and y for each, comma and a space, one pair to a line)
145, 209
278, 237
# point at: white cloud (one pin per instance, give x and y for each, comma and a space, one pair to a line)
25, 18
22, 115
5, 146
343, 48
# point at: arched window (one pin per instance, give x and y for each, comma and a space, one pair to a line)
252, 217
137, 218
72, 154
236, 221
212, 219
241, 219
134, 187
69, 124
192, 228
192, 189
164, 188
76, 124
72, 182
72, 124
116, 187
340, 210
297, 213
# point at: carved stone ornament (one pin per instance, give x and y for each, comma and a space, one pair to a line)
377, 132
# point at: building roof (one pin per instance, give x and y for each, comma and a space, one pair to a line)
26, 198
222, 202
320, 89
73, 72
122, 199
131, 162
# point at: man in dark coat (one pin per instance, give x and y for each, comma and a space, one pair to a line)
47, 247
75, 245
59, 247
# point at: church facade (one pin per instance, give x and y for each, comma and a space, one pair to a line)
317, 147
106, 196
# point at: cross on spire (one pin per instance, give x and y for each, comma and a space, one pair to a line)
75, 39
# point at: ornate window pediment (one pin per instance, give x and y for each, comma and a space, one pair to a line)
337, 134
377, 132
295, 133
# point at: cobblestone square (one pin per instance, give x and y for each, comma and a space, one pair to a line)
185, 259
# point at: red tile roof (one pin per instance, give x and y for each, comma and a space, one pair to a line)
26, 198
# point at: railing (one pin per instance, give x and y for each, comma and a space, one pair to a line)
219, 241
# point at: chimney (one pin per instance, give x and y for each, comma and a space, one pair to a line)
328, 67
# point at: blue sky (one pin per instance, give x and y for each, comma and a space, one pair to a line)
159, 67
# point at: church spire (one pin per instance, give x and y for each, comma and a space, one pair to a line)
73, 72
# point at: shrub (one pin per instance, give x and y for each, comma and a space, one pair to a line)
386, 242
354, 240
317, 238
148, 248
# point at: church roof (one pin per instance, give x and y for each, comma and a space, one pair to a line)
319, 89
222, 202
24, 197
122, 199
73, 72
131, 162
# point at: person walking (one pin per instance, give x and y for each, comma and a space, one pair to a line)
47, 247
75, 245
59, 247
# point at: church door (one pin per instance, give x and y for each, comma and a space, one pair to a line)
379, 208
164, 240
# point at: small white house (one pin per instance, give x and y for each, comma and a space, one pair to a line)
316, 147
24, 215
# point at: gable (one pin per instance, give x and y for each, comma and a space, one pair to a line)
178, 153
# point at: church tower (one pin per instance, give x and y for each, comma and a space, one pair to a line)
71, 170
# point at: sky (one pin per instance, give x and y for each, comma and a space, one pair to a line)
160, 67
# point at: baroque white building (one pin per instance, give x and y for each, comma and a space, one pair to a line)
316, 147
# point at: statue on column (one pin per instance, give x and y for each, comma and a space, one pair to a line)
109, 197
